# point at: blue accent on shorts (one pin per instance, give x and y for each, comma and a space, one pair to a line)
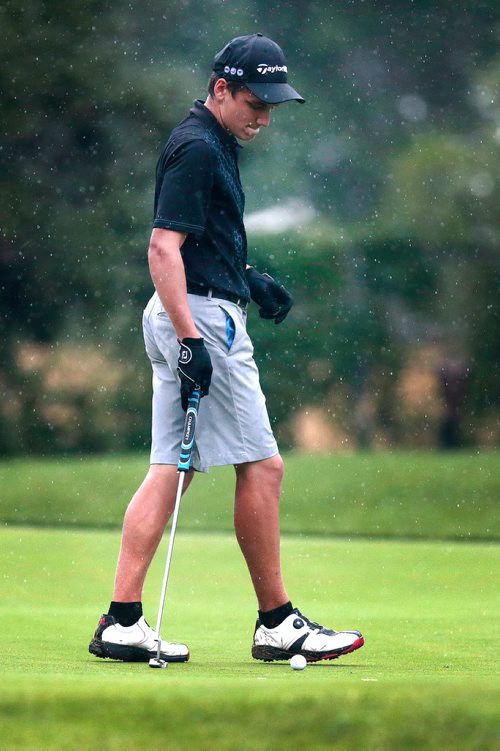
230, 331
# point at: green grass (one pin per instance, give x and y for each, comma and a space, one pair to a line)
373, 541
416, 495
427, 677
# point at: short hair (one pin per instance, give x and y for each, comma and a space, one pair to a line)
233, 86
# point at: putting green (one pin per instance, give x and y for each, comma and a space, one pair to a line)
426, 678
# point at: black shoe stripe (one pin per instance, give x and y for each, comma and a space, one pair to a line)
297, 645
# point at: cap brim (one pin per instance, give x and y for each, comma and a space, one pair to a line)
274, 93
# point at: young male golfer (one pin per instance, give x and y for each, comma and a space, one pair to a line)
195, 333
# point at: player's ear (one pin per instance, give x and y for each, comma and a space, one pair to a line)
221, 89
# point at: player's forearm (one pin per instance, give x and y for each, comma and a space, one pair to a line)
168, 275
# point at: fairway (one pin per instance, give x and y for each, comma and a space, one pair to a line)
427, 495
426, 678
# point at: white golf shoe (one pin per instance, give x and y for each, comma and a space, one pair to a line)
137, 643
297, 635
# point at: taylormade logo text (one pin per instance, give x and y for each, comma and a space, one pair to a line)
264, 68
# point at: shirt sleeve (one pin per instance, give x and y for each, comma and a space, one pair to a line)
186, 189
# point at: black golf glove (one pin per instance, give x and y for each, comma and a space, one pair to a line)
273, 299
194, 368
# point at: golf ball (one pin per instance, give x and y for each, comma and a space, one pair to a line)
298, 662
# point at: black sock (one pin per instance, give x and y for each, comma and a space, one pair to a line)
273, 618
126, 613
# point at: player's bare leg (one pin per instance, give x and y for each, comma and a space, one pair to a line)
256, 521
145, 520
123, 633
281, 631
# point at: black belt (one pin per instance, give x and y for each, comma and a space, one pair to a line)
196, 289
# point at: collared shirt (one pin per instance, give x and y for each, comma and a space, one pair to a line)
198, 191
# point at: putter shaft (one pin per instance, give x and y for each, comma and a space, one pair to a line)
183, 466
169, 559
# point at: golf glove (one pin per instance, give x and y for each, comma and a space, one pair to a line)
273, 299
194, 368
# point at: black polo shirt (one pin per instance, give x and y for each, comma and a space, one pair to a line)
198, 191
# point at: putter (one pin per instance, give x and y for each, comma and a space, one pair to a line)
182, 467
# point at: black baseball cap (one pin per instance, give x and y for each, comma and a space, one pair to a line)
259, 64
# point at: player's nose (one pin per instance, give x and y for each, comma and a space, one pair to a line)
263, 119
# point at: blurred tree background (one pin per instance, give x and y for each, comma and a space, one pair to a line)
376, 203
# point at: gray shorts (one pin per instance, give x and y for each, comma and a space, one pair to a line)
233, 425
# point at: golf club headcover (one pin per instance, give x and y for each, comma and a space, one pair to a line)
194, 368
272, 298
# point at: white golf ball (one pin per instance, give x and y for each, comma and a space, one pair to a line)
298, 662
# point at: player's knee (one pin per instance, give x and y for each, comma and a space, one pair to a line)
278, 466
265, 473
273, 470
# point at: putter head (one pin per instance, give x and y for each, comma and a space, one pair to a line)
157, 663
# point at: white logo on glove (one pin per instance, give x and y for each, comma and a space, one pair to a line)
185, 355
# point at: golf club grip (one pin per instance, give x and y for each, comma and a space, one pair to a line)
189, 431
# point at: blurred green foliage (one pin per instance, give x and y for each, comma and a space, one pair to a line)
395, 155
